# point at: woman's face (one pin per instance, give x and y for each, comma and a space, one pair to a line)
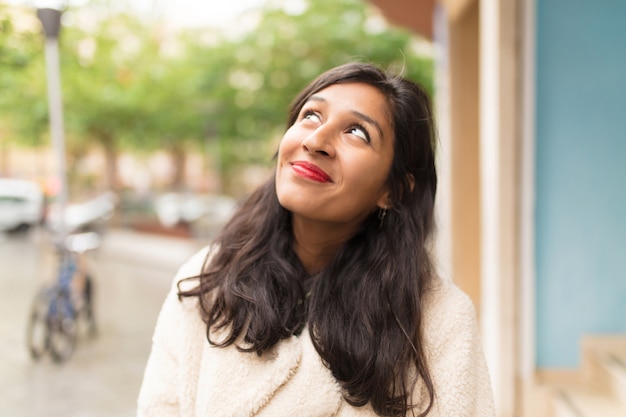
333, 162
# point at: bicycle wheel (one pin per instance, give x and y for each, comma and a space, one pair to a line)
62, 328
88, 308
37, 333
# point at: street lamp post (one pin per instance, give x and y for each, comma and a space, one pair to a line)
51, 22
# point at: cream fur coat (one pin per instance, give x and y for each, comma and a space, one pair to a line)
187, 377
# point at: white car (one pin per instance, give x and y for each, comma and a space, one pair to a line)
21, 204
205, 214
88, 214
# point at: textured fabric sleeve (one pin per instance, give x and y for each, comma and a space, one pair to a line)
457, 363
163, 380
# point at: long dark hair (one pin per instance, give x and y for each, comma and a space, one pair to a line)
364, 310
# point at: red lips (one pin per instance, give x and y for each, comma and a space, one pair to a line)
310, 171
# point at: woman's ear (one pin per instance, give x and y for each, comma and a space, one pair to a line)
385, 201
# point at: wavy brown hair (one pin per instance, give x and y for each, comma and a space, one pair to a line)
364, 310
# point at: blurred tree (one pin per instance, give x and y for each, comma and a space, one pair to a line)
22, 80
165, 95
133, 88
101, 102
129, 85
254, 78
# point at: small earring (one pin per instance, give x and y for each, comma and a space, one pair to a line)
382, 213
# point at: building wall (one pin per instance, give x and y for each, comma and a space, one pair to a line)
580, 229
464, 152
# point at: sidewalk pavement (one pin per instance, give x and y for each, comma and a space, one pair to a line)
149, 249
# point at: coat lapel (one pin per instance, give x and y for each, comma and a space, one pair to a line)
234, 383
311, 391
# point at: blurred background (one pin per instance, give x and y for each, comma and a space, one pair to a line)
173, 97
173, 110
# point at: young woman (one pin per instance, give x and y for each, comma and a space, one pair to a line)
319, 297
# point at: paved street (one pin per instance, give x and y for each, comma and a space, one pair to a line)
132, 273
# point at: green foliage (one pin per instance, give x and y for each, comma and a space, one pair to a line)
254, 78
100, 82
128, 85
23, 110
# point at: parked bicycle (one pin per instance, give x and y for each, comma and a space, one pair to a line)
62, 309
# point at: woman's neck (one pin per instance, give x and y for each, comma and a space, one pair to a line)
316, 244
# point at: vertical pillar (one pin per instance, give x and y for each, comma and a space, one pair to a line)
465, 151
499, 185
51, 22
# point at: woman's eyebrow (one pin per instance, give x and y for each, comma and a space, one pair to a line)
316, 98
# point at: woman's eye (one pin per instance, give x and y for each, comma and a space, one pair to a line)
311, 115
360, 132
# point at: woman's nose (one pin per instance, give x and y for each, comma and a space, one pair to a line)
320, 141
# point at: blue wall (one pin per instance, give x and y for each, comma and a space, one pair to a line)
580, 175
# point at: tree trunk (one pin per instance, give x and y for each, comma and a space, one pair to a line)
179, 160
4, 158
110, 160
75, 185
